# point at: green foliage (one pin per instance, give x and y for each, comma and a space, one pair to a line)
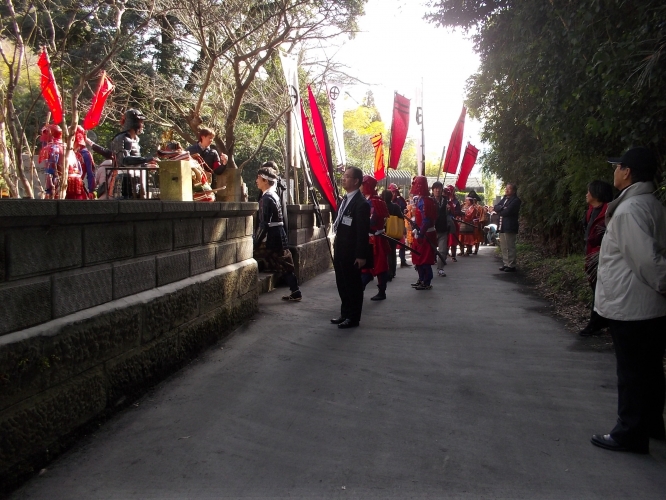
561, 86
559, 274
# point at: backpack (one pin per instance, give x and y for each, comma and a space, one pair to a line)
394, 227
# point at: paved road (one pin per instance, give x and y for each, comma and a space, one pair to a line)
470, 390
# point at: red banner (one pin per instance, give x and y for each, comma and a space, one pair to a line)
320, 132
399, 127
469, 159
49, 88
316, 163
378, 144
99, 99
455, 144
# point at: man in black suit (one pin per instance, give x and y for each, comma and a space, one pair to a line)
351, 248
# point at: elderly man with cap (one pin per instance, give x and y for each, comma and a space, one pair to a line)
631, 295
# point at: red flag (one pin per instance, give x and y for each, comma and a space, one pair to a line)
49, 88
316, 163
469, 159
321, 135
378, 144
453, 152
99, 99
399, 127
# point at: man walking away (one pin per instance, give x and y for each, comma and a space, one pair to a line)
631, 294
395, 210
441, 225
508, 209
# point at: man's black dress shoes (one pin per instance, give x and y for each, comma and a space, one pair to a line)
509, 269
337, 321
348, 324
502, 268
606, 442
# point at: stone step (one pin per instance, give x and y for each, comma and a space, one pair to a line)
267, 281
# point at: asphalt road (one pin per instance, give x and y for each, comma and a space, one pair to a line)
470, 390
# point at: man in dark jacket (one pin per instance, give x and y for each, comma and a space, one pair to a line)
441, 225
508, 209
351, 246
393, 209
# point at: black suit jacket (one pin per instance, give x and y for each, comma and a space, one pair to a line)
508, 209
351, 242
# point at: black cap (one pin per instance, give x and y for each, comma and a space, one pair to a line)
641, 158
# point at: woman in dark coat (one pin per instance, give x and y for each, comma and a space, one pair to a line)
599, 194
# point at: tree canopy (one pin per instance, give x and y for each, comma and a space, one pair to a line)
184, 63
562, 85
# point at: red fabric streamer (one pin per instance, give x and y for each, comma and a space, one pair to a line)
320, 132
455, 144
378, 144
469, 159
399, 127
316, 163
49, 88
99, 99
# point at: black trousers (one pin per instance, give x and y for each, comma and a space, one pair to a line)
639, 349
392, 259
350, 288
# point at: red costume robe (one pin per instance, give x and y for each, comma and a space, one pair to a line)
426, 215
380, 245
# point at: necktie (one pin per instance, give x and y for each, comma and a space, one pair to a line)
343, 205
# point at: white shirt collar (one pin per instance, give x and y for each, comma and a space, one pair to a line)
351, 194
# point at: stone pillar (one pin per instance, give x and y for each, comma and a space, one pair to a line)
236, 189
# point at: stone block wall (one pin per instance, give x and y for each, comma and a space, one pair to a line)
100, 299
311, 245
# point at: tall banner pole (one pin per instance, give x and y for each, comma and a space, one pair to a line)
290, 157
439, 170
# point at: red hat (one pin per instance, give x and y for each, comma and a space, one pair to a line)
420, 186
393, 187
369, 185
55, 130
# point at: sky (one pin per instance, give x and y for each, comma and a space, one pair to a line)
397, 50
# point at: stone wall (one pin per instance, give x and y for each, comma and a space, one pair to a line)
100, 299
311, 246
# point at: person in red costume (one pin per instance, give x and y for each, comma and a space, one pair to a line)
467, 236
53, 153
455, 211
425, 241
380, 246
85, 160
